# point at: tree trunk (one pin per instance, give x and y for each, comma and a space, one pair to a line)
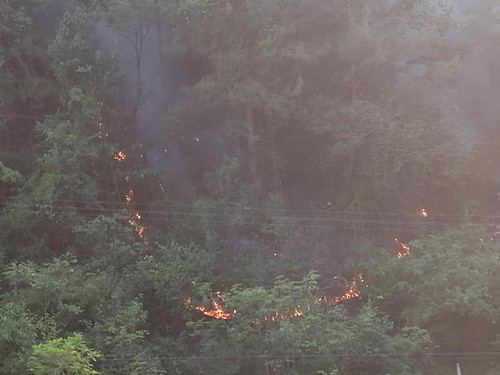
252, 147
161, 55
353, 66
138, 68
140, 36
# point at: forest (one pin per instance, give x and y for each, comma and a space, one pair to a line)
249, 187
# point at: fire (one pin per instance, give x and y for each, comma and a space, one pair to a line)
423, 213
139, 229
296, 313
133, 222
141, 232
120, 156
129, 196
217, 312
352, 292
405, 249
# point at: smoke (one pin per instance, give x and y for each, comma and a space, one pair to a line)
160, 75
150, 126
478, 91
478, 85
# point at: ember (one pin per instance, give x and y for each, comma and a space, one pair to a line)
139, 229
422, 213
217, 312
405, 249
129, 196
120, 156
352, 293
296, 313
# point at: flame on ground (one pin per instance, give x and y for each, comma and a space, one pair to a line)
219, 313
405, 249
296, 313
352, 292
422, 212
216, 312
120, 156
139, 229
129, 196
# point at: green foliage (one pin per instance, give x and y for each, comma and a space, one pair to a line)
8, 175
19, 331
224, 181
320, 331
447, 285
300, 128
63, 356
174, 271
60, 288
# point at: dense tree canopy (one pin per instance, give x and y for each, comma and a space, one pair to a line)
248, 186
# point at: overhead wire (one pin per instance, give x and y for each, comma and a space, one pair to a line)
448, 355
249, 212
353, 218
331, 225
424, 222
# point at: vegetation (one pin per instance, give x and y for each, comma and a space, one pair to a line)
248, 187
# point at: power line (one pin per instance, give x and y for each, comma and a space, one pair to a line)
214, 214
346, 225
166, 207
448, 355
250, 212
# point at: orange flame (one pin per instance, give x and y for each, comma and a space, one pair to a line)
120, 156
141, 232
422, 213
296, 313
139, 229
351, 293
129, 196
217, 312
405, 249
